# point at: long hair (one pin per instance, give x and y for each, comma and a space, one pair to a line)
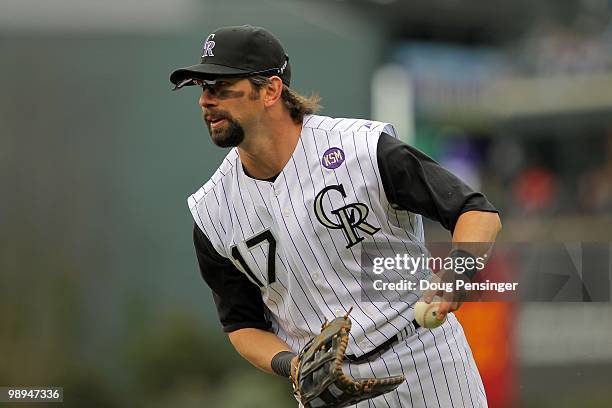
297, 105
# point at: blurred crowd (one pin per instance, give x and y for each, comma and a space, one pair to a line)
554, 161
534, 176
583, 45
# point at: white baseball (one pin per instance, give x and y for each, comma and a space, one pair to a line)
425, 313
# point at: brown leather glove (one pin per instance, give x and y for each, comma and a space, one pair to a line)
319, 380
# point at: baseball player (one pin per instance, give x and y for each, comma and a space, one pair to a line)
280, 225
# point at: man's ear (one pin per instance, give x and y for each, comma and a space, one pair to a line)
273, 91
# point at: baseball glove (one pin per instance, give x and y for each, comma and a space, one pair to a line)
319, 380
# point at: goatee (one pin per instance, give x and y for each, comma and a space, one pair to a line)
230, 134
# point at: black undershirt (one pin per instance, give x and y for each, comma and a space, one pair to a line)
411, 180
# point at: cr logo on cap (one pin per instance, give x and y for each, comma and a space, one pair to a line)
209, 44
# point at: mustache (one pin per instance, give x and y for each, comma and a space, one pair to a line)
210, 115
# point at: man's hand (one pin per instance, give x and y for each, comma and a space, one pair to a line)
445, 286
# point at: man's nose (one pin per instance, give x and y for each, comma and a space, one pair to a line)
207, 98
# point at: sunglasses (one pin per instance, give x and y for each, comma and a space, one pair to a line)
214, 85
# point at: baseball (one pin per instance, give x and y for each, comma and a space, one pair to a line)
425, 313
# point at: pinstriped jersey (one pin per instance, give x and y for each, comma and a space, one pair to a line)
299, 237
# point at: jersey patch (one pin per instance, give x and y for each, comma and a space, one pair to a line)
332, 158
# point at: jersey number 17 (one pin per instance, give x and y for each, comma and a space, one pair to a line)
252, 243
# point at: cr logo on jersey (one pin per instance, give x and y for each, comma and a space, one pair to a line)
209, 44
345, 216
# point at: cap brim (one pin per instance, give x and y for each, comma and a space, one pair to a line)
203, 71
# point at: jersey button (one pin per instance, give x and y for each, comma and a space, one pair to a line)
286, 212
277, 192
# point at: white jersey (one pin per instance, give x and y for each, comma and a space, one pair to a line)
299, 239
317, 256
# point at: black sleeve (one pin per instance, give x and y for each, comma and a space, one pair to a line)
238, 300
415, 182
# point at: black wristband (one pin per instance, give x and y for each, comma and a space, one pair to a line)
468, 264
281, 363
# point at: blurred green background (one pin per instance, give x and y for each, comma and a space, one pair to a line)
99, 287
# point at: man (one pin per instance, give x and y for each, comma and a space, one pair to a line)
280, 225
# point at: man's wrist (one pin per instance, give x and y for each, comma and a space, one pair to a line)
281, 363
468, 263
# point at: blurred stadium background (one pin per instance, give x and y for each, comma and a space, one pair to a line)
99, 288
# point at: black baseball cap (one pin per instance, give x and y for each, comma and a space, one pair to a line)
237, 51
